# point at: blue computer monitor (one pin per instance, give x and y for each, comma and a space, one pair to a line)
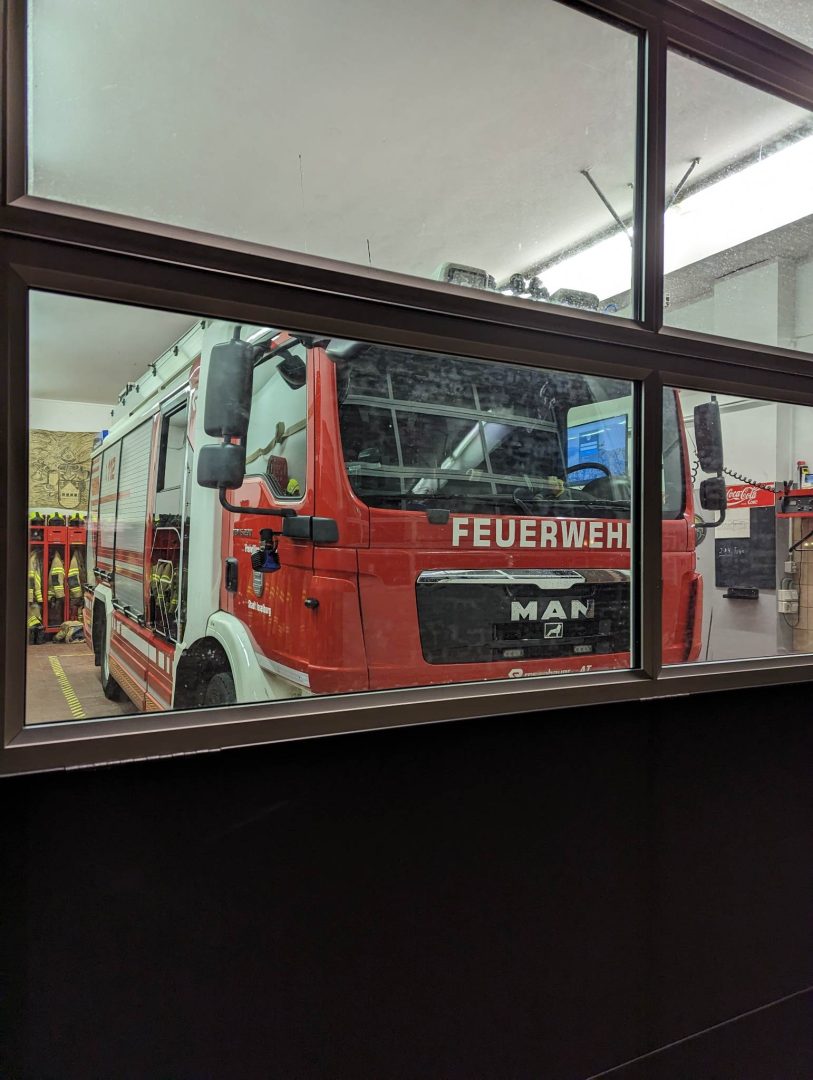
604, 441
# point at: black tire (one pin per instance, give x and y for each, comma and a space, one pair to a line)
220, 690
111, 689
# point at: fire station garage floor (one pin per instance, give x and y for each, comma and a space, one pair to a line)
63, 684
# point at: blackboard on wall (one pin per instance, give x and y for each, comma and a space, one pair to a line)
749, 560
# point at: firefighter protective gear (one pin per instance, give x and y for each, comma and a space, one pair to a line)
56, 578
76, 575
35, 591
76, 581
164, 589
56, 590
35, 578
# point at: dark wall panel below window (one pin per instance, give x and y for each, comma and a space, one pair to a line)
545, 896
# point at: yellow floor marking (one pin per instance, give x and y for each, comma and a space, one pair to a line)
74, 704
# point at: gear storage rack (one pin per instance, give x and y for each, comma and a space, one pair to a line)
56, 574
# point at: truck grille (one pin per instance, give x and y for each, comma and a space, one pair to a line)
480, 616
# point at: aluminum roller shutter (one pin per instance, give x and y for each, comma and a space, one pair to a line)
131, 521
93, 513
107, 508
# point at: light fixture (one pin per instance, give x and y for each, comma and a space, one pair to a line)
604, 268
742, 205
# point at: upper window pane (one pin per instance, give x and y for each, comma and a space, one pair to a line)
791, 17
739, 220
403, 136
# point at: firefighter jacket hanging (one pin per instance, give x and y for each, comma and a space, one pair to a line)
56, 590
164, 592
76, 580
34, 590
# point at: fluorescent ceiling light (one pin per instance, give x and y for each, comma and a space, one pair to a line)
751, 202
604, 269
758, 199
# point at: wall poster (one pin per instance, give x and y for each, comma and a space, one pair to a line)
59, 469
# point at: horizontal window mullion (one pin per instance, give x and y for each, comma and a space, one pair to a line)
476, 328
753, 52
94, 742
747, 49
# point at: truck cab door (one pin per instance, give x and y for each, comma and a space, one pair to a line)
279, 475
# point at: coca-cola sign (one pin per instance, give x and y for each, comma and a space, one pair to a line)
748, 497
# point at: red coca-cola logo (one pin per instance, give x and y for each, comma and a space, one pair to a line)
748, 496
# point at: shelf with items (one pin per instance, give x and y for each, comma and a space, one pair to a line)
795, 502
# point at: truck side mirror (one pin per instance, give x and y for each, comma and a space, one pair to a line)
228, 391
708, 437
222, 466
713, 494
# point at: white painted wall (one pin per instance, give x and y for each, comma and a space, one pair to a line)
45, 414
698, 316
769, 304
758, 304
804, 306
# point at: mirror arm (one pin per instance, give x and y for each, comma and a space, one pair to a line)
277, 350
712, 524
285, 512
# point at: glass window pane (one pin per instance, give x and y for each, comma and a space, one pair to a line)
794, 18
439, 519
739, 223
439, 140
743, 586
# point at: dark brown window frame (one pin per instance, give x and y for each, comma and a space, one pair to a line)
75, 250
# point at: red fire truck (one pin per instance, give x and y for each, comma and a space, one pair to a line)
274, 515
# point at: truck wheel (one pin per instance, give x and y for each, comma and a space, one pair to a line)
220, 690
112, 690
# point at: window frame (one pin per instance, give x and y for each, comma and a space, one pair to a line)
98, 255
166, 414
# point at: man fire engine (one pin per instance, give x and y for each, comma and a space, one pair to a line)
275, 514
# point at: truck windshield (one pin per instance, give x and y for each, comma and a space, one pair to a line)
422, 432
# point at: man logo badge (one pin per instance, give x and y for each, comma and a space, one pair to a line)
554, 629
554, 609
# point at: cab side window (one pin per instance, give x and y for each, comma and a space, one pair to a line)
277, 443
169, 549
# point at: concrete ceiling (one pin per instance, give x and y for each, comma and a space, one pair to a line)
434, 130
86, 350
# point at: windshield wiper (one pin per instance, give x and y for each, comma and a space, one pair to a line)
538, 498
621, 503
